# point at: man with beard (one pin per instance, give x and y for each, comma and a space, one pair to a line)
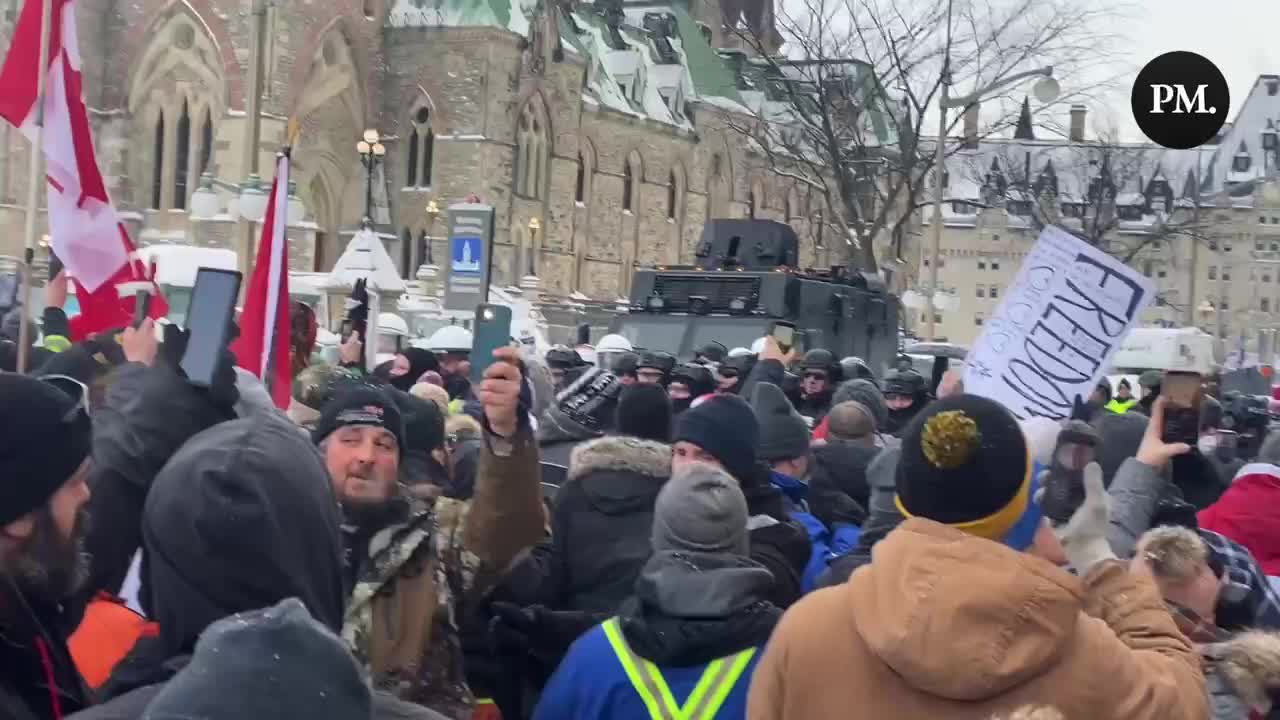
44, 453
905, 395
413, 565
820, 373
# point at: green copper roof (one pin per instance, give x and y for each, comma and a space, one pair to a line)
710, 74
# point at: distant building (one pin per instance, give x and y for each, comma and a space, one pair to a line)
1204, 224
602, 120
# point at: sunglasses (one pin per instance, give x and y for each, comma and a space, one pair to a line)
75, 390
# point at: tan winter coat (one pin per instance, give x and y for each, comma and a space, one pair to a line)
943, 624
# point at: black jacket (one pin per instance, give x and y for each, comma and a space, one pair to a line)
883, 516
778, 543
147, 415
30, 631
815, 407
600, 528
242, 517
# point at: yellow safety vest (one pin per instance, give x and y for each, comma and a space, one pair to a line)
704, 702
1121, 407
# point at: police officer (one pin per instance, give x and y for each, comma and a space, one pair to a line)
820, 373
905, 394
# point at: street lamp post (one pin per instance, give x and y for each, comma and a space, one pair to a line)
432, 211
371, 152
1045, 91
534, 226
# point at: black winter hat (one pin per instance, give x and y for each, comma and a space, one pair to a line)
725, 427
644, 411
281, 663
626, 364
360, 405
697, 377
965, 463
784, 434
904, 382
423, 421
864, 392
44, 438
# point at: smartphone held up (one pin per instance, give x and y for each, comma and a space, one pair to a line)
492, 332
1064, 483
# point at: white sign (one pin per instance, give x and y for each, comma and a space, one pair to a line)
1060, 322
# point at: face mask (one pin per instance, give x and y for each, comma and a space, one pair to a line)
1207, 444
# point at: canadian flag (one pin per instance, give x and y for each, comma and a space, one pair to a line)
263, 345
84, 229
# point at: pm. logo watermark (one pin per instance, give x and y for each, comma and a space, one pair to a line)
1180, 100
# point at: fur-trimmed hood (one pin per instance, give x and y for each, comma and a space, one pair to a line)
1250, 663
621, 455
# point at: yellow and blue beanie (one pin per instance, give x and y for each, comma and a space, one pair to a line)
965, 464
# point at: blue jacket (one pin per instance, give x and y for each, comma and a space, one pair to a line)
827, 542
591, 684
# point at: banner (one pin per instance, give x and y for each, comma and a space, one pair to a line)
1057, 327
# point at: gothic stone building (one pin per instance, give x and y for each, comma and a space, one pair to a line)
605, 122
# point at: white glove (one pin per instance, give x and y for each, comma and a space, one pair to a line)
1084, 537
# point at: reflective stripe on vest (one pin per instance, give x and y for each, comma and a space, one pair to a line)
703, 703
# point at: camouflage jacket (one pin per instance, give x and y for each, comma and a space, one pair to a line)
402, 618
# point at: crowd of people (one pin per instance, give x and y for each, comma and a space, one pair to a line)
609, 532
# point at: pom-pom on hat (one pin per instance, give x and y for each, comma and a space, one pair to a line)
965, 464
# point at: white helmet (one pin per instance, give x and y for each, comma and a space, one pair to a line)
450, 338
613, 344
739, 352
392, 324
757, 347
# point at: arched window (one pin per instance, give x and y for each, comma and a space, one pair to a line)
671, 195
183, 159
628, 184
206, 142
751, 203
580, 185
531, 149
421, 148
157, 164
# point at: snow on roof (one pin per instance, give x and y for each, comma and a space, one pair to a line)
365, 257
509, 15
1242, 138
176, 265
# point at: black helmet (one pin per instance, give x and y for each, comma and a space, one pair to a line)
712, 351
853, 368
563, 358
904, 382
625, 364
820, 359
657, 360
697, 377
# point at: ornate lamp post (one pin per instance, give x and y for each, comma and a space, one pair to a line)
532, 263
371, 152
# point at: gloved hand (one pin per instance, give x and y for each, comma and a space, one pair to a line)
1084, 536
537, 629
222, 392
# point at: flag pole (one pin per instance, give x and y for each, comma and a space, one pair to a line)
34, 181
291, 137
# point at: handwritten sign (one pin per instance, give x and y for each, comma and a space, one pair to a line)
1055, 330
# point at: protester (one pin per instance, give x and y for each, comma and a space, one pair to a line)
841, 463
424, 458
723, 431
303, 329
602, 515
427, 557
403, 370
698, 618
1017, 629
862, 391
273, 663
433, 393
464, 438
1246, 513
312, 389
45, 444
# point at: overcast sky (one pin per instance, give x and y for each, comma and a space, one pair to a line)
1241, 37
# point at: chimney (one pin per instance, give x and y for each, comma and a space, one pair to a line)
1076, 133
971, 127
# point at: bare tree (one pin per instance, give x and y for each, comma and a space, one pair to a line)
841, 114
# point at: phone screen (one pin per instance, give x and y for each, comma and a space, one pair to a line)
1183, 392
212, 302
141, 307
785, 335
492, 331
